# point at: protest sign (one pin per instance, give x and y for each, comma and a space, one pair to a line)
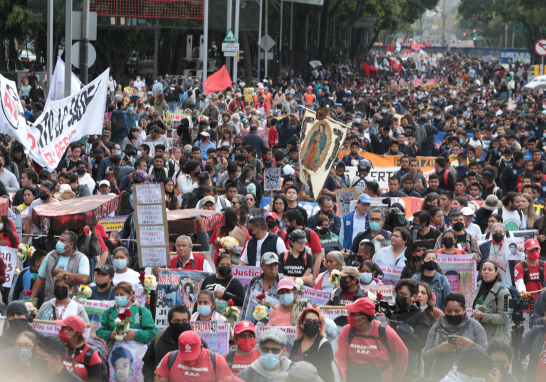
50, 329
216, 334
56, 89
251, 302
9, 255
151, 225
245, 273
257, 212
94, 310
344, 198
125, 361
176, 287
460, 271
317, 297
338, 314
272, 179
386, 291
249, 95
391, 273
289, 330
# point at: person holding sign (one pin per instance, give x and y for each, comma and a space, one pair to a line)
367, 348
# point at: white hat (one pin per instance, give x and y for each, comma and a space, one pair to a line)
467, 211
289, 170
64, 187
205, 133
104, 182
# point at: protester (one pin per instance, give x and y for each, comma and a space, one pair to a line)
334, 261
103, 290
206, 308
18, 322
244, 334
431, 276
223, 284
50, 356
62, 306
427, 303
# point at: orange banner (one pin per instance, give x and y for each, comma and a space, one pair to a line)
425, 163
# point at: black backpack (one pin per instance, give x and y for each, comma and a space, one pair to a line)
125, 201
540, 270
382, 331
173, 354
118, 126
169, 97
97, 344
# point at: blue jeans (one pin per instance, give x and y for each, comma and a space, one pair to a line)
172, 106
426, 152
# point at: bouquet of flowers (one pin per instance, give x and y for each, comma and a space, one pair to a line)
30, 303
261, 312
227, 243
84, 292
123, 323
231, 312
335, 276
299, 284
147, 283
23, 251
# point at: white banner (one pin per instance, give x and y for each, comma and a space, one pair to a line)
12, 116
56, 90
382, 174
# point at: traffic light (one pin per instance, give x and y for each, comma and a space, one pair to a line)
474, 31
464, 34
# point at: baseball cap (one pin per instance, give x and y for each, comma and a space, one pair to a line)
154, 128
269, 258
362, 305
156, 113
208, 198
242, 326
106, 269
75, 322
272, 215
531, 244
350, 271
260, 89
467, 211
298, 235
104, 181
365, 198
107, 133
276, 335
287, 283
189, 346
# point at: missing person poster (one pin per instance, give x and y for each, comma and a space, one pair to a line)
460, 271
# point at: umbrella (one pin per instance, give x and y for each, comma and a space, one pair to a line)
315, 64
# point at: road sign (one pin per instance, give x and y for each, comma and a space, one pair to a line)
519, 28
540, 47
77, 26
230, 54
230, 36
269, 55
91, 54
230, 47
266, 43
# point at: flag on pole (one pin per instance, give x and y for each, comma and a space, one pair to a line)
220, 80
395, 66
415, 46
390, 48
367, 68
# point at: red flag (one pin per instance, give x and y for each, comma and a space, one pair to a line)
395, 66
368, 68
415, 46
423, 46
390, 48
429, 44
220, 80
407, 51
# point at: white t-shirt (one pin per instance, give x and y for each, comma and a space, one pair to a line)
512, 220
71, 310
132, 278
281, 248
474, 230
473, 143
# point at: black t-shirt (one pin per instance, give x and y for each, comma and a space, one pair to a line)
426, 279
68, 164
234, 291
107, 295
340, 94
213, 135
461, 239
432, 235
295, 267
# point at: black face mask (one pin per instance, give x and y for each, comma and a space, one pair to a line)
458, 226
102, 286
80, 171
454, 320
448, 243
178, 329
18, 325
344, 285
402, 302
430, 265
224, 271
498, 237
208, 167
44, 197
310, 330
322, 230
271, 224
418, 227
60, 294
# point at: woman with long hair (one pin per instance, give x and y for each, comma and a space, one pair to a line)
245, 179
449, 242
414, 257
251, 200
409, 117
187, 180
427, 301
233, 289
280, 206
227, 139
230, 223
459, 203
171, 201
118, 91
328, 240
205, 309
61, 306
160, 105
368, 274
528, 210
240, 206
132, 138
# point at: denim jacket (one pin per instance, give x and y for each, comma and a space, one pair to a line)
440, 287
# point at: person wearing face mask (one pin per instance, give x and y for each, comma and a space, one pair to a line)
80, 355
328, 240
430, 274
223, 284
453, 334
349, 288
449, 244
369, 349
502, 250
244, 354
103, 290
410, 323
141, 316
462, 240
80, 190
205, 309
120, 260
414, 257
48, 365
166, 340
17, 323
477, 366
368, 274
61, 306
529, 276
286, 313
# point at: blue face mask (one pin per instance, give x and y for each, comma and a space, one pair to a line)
402, 99
461, 122
384, 111
139, 153
461, 141
438, 117
60, 247
375, 226
269, 360
286, 299
121, 300
120, 263
204, 310
454, 155
358, 120
396, 100
366, 277
434, 99
118, 152
419, 97
430, 114
130, 108
467, 109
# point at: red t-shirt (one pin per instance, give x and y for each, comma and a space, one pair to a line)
201, 372
81, 371
347, 297
533, 284
241, 362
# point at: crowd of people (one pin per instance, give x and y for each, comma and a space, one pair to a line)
487, 182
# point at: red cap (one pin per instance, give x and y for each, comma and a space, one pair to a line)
362, 305
189, 346
75, 322
531, 244
272, 215
243, 326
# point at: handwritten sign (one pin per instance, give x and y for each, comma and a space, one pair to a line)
94, 310
245, 274
9, 255
391, 273
344, 198
385, 290
272, 179
151, 225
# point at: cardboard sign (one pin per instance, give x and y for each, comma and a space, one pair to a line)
344, 198
151, 225
272, 179
9, 255
249, 95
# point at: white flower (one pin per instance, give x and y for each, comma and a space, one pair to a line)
146, 283
22, 246
17, 270
127, 327
218, 287
117, 321
119, 337
354, 162
29, 306
260, 313
20, 255
299, 282
153, 284
372, 296
229, 242
87, 292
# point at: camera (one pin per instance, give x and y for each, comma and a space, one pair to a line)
394, 216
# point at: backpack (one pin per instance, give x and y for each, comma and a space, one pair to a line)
513, 291
304, 259
421, 133
118, 126
334, 367
382, 331
446, 177
499, 211
169, 97
284, 237
540, 270
230, 356
173, 354
98, 344
125, 201
185, 200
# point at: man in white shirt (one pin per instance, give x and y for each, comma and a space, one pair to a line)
469, 227
394, 254
261, 241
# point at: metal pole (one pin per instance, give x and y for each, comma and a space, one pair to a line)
506, 36
259, 39
237, 9
280, 38
84, 43
318, 32
265, 54
334, 33
68, 49
513, 37
205, 38
50, 52
291, 31
157, 32
228, 27
307, 32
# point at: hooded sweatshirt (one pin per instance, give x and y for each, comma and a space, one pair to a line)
263, 375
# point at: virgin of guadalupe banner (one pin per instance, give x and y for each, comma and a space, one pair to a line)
176, 287
320, 144
125, 361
